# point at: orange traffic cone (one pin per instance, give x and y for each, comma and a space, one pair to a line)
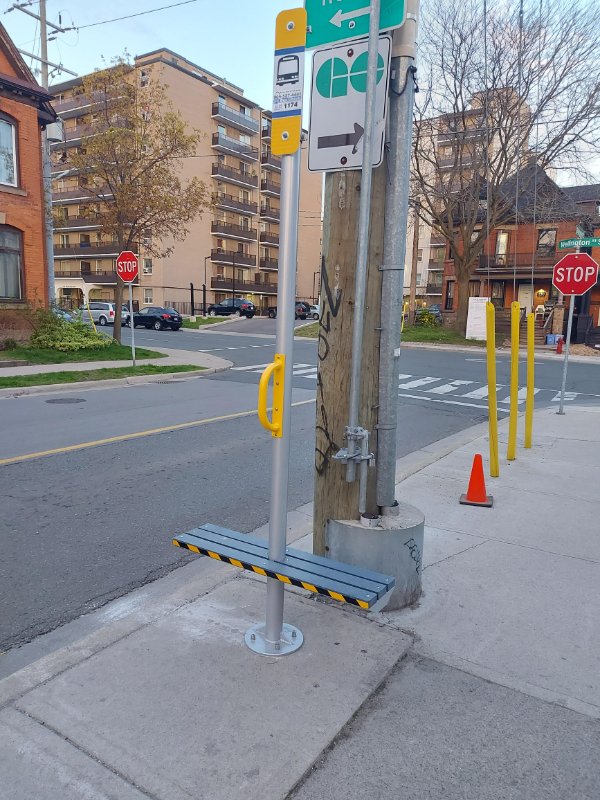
476, 494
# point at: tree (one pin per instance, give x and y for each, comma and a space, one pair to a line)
482, 122
130, 162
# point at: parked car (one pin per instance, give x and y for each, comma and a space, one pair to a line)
102, 313
125, 315
66, 316
301, 311
158, 318
315, 312
433, 311
238, 307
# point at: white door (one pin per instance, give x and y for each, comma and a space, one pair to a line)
526, 297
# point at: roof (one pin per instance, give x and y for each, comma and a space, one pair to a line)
23, 86
583, 194
539, 196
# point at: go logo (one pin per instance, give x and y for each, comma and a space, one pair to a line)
334, 76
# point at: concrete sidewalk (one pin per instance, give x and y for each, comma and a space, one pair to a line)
488, 689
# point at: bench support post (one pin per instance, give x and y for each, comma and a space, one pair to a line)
274, 638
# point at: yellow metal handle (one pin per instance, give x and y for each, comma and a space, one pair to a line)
276, 369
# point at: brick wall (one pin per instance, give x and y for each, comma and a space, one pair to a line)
23, 208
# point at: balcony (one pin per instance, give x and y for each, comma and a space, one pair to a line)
101, 276
244, 122
230, 231
232, 257
265, 131
269, 213
233, 175
226, 285
433, 288
270, 161
76, 132
507, 263
107, 249
73, 223
266, 237
225, 144
270, 188
231, 203
269, 263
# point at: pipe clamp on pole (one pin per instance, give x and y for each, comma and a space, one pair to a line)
276, 369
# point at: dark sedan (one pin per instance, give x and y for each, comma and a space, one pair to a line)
239, 307
158, 318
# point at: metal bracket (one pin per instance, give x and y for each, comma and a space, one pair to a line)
360, 453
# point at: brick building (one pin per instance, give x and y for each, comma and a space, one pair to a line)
24, 111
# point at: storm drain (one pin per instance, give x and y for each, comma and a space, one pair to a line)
66, 400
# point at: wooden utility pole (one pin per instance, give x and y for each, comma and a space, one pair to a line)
335, 498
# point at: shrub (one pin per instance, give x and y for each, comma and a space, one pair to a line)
9, 344
427, 319
54, 333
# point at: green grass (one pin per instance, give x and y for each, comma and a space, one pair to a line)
115, 352
438, 335
47, 378
419, 333
200, 321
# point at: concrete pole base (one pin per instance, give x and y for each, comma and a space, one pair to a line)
394, 547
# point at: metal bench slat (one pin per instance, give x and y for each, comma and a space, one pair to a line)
373, 581
304, 579
297, 559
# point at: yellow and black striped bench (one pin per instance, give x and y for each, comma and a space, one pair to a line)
343, 582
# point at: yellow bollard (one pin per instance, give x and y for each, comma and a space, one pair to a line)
490, 318
515, 319
530, 401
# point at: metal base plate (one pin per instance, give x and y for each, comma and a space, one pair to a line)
291, 640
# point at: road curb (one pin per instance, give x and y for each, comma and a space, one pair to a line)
109, 383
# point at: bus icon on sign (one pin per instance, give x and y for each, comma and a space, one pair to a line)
288, 70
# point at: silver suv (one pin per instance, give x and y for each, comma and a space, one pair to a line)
103, 313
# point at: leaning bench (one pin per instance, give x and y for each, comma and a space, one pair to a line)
343, 582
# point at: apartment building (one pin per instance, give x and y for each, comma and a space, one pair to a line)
233, 247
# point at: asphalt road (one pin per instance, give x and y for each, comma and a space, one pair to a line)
81, 527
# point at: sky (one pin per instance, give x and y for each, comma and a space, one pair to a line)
232, 38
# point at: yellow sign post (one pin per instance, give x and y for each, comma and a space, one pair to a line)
515, 320
490, 318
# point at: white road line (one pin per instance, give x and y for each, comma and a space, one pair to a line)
308, 372
522, 395
251, 368
446, 402
478, 394
449, 387
419, 382
568, 397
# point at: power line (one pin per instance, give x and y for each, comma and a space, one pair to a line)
130, 16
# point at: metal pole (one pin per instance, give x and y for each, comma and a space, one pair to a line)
490, 322
203, 299
192, 299
363, 239
530, 401
286, 292
131, 325
233, 277
46, 163
394, 254
561, 409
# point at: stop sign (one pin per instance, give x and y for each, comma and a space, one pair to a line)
127, 266
575, 273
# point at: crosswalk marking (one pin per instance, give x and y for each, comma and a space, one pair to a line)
451, 386
425, 386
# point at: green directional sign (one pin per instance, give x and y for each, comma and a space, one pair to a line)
338, 20
568, 244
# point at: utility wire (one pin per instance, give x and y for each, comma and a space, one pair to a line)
130, 16
535, 174
519, 100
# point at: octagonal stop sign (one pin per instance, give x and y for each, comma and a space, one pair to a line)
127, 266
575, 274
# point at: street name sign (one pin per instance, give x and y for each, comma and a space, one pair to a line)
127, 266
575, 274
332, 21
567, 244
338, 103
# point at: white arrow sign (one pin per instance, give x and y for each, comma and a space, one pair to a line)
339, 17
337, 105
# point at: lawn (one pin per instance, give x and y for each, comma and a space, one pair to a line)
47, 378
412, 333
200, 321
115, 352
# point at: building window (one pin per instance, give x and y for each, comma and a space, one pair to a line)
501, 247
419, 255
449, 303
8, 153
474, 287
144, 78
148, 297
546, 243
147, 269
10, 263
498, 293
